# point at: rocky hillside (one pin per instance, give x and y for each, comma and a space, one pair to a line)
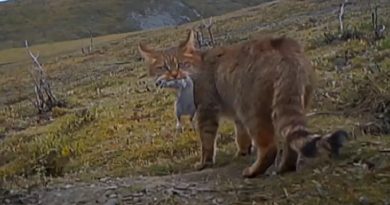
46, 21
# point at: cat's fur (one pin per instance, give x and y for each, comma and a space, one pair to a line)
264, 85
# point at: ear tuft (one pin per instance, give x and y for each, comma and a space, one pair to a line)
188, 45
146, 52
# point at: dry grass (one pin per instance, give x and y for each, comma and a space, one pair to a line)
17, 55
126, 126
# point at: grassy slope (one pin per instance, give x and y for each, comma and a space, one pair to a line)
18, 55
48, 21
126, 128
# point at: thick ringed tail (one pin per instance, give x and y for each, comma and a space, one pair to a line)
290, 98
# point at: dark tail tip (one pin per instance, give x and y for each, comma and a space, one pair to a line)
336, 140
310, 148
331, 142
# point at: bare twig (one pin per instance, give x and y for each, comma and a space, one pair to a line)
341, 17
209, 24
199, 37
91, 41
208, 27
379, 30
89, 48
191, 188
205, 27
387, 150
311, 114
285, 192
45, 100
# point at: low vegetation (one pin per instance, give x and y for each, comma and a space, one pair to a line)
117, 124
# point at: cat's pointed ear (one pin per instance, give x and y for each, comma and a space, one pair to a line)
188, 46
147, 53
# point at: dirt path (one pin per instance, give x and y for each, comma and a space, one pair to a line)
352, 179
222, 185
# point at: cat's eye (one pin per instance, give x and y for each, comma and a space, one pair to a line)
184, 65
162, 67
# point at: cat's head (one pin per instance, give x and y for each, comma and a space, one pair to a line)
171, 63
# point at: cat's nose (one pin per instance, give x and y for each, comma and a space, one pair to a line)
174, 74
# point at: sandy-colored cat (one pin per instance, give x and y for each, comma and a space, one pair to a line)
264, 85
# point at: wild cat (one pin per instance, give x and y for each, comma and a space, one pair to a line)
184, 104
264, 85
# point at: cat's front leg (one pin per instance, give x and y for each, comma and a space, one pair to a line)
208, 123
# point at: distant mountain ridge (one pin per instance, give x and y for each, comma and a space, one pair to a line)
42, 21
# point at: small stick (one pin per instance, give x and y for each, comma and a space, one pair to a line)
323, 113
341, 17
387, 150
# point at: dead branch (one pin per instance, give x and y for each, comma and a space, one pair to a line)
209, 24
225, 190
208, 27
344, 33
341, 17
311, 114
91, 41
387, 150
200, 36
379, 30
89, 48
45, 100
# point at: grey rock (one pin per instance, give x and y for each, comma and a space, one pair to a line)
112, 202
363, 200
